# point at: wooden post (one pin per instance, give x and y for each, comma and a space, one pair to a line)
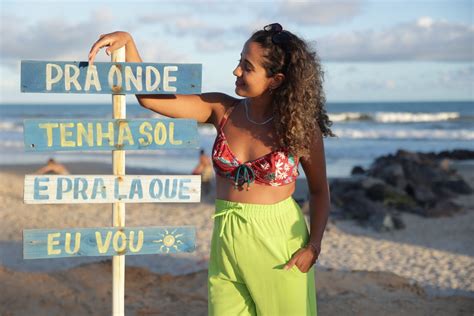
118, 165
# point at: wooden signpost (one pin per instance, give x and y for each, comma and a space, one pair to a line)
110, 78
81, 135
54, 189
106, 241
117, 135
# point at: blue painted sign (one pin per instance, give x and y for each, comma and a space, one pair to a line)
55, 189
107, 241
110, 78
82, 135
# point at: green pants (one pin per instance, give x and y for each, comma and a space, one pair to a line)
250, 245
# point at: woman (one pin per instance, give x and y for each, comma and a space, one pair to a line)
262, 255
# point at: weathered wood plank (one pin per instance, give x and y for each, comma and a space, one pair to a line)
107, 241
74, 189
93, 135
110, 78
119, 111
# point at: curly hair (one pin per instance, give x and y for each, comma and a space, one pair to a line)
299, 102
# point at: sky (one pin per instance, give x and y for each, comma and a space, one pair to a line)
384, 50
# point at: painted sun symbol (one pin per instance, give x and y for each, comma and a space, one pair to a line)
169, 240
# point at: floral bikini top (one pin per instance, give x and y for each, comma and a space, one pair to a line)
276, 168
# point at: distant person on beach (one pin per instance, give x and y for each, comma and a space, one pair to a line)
262, 255
204, 168
52, 167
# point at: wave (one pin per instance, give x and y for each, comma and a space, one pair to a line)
207, 130
459, 134
398, 117
9, 144
349, 116
11, 126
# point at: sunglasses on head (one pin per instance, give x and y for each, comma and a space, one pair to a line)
280, 36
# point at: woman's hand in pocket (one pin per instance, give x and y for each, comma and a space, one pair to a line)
304, 258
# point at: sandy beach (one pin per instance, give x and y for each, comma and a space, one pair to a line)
425, 269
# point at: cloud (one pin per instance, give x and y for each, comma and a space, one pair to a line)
351, 69
163, 54
425, 39
208, 37
321, 12
457, 77
51, 38
189, 26
56, 38
215, 45
182, 23
390, 84
371, 85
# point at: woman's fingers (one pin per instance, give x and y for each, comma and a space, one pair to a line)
292, 261
93, 52
96, 48
103, 41
112, 41
113, 46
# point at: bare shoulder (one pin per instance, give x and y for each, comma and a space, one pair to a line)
220, 102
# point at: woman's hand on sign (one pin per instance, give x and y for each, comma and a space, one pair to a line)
199, 107
112, 41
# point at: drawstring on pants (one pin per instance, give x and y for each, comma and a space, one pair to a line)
226, 213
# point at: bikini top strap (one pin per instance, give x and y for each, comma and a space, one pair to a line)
227, 114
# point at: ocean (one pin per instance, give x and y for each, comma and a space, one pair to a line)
365, 131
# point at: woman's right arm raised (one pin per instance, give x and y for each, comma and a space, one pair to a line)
201, 107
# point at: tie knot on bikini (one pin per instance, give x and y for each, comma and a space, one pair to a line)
234, 210
244, 174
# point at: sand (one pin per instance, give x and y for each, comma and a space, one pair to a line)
425, 269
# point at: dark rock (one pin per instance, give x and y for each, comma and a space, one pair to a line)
399, 201
423, 195
423, 177
389, 171
368, 182
452, 187
382, 221
456, 154
357, 207
351, 202
419, 183
441, 208
445, 165
376, 192
346, 184
398, 222
340, 187
390, 196
357, 170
